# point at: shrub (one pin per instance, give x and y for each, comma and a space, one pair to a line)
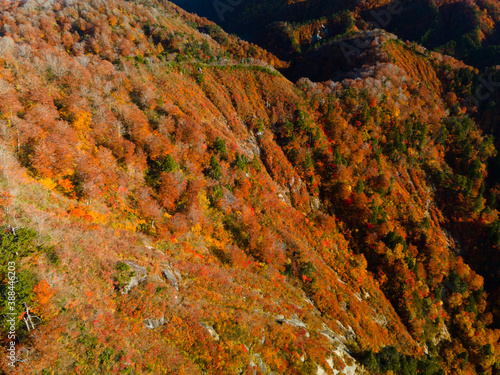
153, 173
122, 275
220, 147
215, 169
241, 162
15, 245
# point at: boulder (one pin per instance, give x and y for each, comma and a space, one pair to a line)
154, 323
140, 276
173, 276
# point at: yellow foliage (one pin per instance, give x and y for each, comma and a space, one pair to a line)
48, 183
81, 122
128, 226
398, 251
97, 217
196, 229
203, 200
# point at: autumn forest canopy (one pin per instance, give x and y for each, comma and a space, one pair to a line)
316, 193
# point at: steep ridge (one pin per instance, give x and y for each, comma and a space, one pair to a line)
173, 204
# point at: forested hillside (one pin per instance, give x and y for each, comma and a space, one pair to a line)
174, 205
464, 29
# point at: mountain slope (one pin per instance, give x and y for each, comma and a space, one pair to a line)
173, 204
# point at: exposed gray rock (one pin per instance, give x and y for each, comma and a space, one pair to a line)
295, 322
349, 369
366, 295
339, 340
263, 340
154, 323
442, 335
254, 147
380, 319
258, 361
211, 330
173, 276
315, 203
341, 351
140, 276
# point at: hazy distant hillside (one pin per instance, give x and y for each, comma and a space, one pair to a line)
464, 29
173, 204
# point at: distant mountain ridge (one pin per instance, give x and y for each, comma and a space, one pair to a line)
464, 29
